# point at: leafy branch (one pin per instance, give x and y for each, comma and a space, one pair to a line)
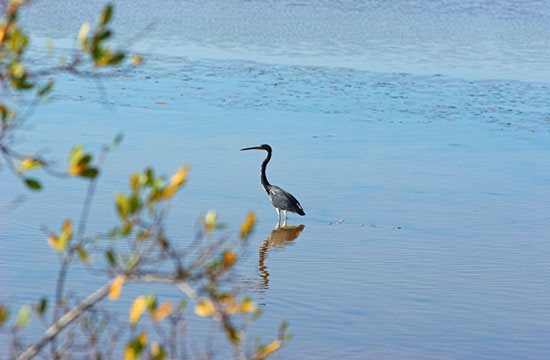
137, 249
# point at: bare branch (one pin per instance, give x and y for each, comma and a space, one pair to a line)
73, 314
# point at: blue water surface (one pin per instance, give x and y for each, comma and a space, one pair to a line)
415, 135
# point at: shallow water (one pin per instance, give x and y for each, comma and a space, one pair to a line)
426, 194
471, 38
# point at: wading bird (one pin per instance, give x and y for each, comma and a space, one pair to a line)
281, 199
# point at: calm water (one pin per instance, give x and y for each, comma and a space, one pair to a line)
416, 136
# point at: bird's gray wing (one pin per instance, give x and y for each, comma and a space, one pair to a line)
284, 200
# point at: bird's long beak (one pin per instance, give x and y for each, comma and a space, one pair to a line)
252, 148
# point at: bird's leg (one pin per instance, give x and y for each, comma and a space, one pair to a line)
278, 217
284, 224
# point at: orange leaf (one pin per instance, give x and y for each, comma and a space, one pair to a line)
137, 60
53, 240
248, 225
67, 226
163, 311
76, 170
229, 258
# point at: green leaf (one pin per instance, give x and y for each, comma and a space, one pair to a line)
22, 83
106, 15
104, 35
90, 173
152, 303
136, 346
134, 204
18, 41
111, 257
46, 88
33, 184
85, 160
232, 333
117, 58
42, 306
97, 53
83, 255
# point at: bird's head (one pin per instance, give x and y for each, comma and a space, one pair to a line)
261, 147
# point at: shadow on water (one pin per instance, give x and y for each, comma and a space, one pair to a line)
279, 237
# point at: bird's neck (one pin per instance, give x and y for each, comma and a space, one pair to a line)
263, 177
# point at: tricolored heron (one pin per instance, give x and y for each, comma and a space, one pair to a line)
281, 199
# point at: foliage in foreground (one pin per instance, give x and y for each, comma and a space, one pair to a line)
137, 250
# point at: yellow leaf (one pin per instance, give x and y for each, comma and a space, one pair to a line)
116, 287
23, 317
17, 70
163, 311
60, 242
210, 220
247, 306
134, 182
28, 164
130, 353
83, 34
122, 203
248, 225
180, 176
139, 306
137, 60
135, 347
176, 181
157, 351
17, 2
142, 338
205, 308
268, 349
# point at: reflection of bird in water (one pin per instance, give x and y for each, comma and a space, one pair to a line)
278, 238
281, 199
